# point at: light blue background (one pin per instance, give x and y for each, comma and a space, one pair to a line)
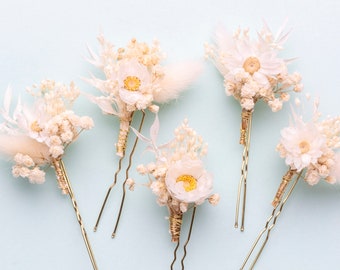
47, 39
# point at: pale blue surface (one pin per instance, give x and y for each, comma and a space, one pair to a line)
47, 39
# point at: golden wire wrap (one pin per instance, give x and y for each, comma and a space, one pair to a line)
175, 220
285, 181
62, 184
124, 128
245, 116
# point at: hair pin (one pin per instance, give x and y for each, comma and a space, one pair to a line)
252, 72
36, 138
178, 177
134, 81
309, 149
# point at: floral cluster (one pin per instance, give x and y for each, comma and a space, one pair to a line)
251, 69
25, 167
135, 80
132, 74
48, 127
312, 146
178, 174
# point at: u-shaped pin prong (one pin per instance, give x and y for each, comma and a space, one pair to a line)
127, 176
271, 221
189, 235
108, 193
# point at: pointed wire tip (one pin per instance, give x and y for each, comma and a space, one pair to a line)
95, 229
113, 235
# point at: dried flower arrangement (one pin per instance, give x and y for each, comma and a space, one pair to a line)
310, 149
177, 176
35, 138
252, 71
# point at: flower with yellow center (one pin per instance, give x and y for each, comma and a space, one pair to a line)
187, 181
301, 145
134, 81
238, 53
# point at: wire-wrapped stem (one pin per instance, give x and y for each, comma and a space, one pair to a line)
62, 184
245, 118
242, 186
124, 128
284, 183
175, 224
65, 185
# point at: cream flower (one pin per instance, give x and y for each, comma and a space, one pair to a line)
303, 145
134, 84
252, 68
188, 181
42, 131
238, 53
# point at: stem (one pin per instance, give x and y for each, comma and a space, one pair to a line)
124, 128
242, 187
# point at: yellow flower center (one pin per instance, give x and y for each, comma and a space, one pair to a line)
35, 126
304, 147
251, 65
132, 83
189, 182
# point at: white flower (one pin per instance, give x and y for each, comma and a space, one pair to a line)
141, 169
36, 176
67, 136
86, 122
252, 68
16, 169
56, 151
302, 145
55, 140
312, 177
275, 104
130, 183
153, 108
256, 57
249, 89
247, 103
188, 182
134, 83
183, 207
214, 199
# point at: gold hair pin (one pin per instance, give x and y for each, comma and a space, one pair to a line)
178, 177
310, 151
252, 71
134, 81
37, 137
